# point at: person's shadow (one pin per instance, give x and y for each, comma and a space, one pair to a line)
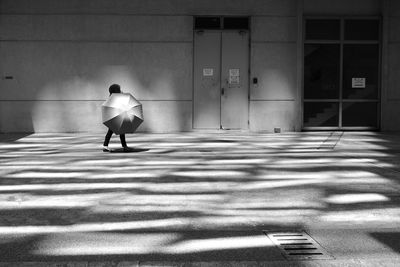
129, 150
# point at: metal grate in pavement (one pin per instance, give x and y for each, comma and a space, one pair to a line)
298, 245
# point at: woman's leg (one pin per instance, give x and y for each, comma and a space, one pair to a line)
123, 141
107, 138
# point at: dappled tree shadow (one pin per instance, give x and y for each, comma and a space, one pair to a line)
391, 239
190, 196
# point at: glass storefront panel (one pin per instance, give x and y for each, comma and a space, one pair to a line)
317, 114
360, 71
341, 74
359, 29
323, 29
356, 114
321, 71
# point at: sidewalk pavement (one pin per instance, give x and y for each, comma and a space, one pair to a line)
200, 199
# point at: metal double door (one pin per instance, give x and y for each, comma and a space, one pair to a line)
221, 80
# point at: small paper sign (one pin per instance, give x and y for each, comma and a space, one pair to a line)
358, 82
233, 72
234, 80
234, 76
208, 72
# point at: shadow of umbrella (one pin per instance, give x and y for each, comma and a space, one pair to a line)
129, 150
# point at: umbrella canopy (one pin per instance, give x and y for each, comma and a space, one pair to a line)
122, 113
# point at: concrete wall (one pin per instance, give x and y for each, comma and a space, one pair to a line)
391, 67
274, 100
58, 58
59, 67
150, 7
343, 7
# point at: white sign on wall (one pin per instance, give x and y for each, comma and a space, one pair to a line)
358, 82
234, 75
208, 72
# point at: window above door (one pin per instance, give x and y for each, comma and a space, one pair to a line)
221, 23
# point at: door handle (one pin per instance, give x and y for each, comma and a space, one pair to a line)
222, 91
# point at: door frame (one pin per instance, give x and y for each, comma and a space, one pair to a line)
195, 31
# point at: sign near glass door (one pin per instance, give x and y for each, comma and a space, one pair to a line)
358, 82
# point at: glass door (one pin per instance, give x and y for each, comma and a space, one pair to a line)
341, 74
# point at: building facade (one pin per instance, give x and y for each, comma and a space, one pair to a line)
258, 65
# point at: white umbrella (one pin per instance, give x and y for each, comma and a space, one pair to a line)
122, 113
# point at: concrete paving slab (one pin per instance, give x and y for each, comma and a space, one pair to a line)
198, 199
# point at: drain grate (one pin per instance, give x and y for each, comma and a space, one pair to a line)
298, 245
